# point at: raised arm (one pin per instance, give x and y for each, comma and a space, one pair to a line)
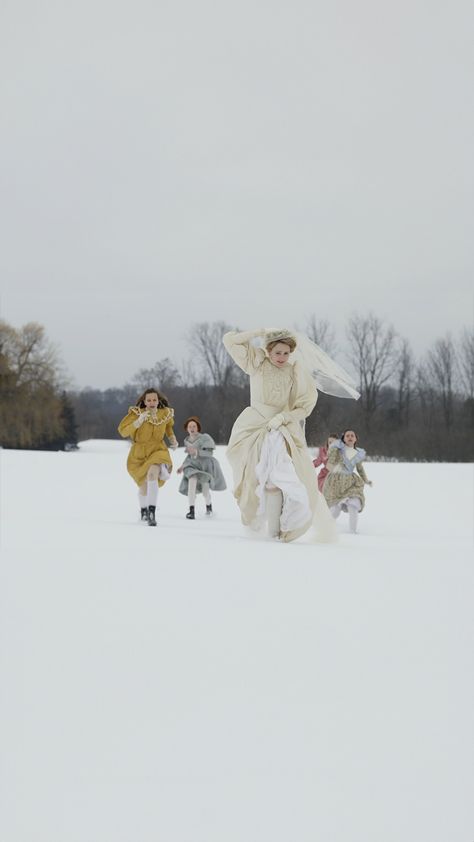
128, 426
334, 456
237, 344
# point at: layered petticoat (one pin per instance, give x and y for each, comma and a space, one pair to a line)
276, 470
282, 459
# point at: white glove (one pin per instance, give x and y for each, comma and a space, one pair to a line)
173, 443
141, 418
276, 421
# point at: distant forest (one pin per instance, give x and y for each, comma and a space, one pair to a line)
409, 409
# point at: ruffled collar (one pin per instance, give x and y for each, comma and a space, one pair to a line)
350, 464
156, 420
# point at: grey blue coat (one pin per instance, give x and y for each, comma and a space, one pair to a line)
204, 466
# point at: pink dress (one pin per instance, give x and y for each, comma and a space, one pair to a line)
321, 459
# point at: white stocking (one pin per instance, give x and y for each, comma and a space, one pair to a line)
206, 493
336, 510
353, 505
273, 507
152, 484
142, 495
152, 492
192, 483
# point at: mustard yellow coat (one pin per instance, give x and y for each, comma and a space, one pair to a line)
148, 446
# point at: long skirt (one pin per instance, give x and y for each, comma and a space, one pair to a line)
206, 469
303, 504
338, 487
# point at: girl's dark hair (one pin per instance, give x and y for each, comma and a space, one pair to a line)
162, 400
332, 436
346, 431
192, 418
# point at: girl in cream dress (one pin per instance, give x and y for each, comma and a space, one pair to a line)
272, 467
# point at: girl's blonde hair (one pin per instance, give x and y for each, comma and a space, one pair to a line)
273, 337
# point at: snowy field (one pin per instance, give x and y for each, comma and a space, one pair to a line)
193, 683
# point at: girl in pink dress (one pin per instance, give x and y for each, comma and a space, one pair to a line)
322, 458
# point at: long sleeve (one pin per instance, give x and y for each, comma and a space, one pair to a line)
321, 458
169, 430
126, 427
306, 396
205, 445
334, 457
361, 471
237, 344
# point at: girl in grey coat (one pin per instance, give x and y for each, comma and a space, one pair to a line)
200, 470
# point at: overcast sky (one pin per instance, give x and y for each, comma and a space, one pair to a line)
165, 163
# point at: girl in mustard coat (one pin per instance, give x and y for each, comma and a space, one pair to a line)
149, 462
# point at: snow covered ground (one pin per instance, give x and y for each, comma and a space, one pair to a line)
194, 683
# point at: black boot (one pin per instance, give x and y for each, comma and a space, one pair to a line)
144, 513
190, 514
209, 509
151, 516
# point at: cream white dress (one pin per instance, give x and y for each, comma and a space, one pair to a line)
260, 458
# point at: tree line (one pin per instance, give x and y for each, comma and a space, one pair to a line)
35, 409
409, 409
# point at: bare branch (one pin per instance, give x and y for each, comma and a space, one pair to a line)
321, 332
205, 339
375, 354
441, 366
465, 358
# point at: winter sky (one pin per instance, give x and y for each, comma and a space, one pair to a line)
255, 162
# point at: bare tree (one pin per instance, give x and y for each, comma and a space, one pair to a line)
441, 367
465, 357
218, 368
321, 332
405, 382
375, 354
189, 376
163, 374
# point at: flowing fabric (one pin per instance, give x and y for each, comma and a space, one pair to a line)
275, 469
328, 376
